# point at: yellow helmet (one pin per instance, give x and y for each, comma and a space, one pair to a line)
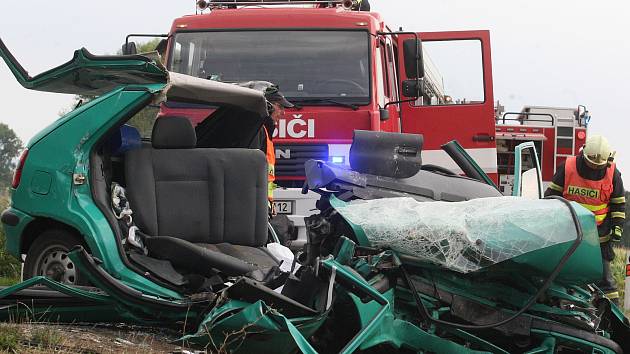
597, 150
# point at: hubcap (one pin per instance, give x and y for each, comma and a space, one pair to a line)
54, 263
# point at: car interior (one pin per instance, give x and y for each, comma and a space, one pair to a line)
198, 209
201, 212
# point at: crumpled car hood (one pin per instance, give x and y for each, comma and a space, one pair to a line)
466, 236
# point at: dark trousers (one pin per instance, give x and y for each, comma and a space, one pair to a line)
607, 284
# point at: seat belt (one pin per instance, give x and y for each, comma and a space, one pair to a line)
122, 211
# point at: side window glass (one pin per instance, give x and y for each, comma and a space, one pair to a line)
453, 73
143, 120
384, 68
393, 78
527, 176
187, 58
380, 80
176, 61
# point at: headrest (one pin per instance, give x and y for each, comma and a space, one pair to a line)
124, 139
173, 133
395, 155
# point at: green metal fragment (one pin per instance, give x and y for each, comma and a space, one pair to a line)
241, 327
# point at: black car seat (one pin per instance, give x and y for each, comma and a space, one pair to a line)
201, 208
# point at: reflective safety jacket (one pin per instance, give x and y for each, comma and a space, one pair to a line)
593, 195
271, 165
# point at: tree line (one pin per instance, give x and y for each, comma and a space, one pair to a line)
10, 148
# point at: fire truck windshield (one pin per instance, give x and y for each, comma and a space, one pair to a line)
307, 65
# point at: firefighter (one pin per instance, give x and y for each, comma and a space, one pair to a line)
277, 104
592, 180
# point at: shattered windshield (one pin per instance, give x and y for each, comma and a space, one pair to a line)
462, 236
305, 64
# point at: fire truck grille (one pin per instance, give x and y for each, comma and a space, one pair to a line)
290, 159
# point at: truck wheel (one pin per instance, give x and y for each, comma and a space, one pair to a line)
48, 256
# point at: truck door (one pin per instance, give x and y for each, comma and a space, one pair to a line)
457, 100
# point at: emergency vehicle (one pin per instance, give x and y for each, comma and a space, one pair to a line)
556, 132
344, 69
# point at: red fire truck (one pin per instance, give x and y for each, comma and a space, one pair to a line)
346, 69
557, 133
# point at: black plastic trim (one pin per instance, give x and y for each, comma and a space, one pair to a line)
460, 160
534, 323
577, 333
118, 289
8, 218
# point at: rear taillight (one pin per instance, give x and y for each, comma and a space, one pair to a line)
17, 176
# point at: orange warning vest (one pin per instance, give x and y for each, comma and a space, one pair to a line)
593, 195
271, 165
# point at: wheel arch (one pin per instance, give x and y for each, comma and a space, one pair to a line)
36, 227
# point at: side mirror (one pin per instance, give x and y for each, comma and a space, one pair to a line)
129, 48
413, 88
384, 113
412, 51
527, 181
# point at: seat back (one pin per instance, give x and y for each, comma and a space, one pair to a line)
199, 195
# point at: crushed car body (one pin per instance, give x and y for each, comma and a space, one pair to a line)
125, 217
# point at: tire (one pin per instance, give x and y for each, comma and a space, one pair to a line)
48, 255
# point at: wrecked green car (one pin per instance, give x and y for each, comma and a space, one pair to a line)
123, 217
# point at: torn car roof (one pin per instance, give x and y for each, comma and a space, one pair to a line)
185, 88
88, 74
93, 75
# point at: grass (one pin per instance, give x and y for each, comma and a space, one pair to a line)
46, 337
7, 281
10, 337
13, 338
618, 268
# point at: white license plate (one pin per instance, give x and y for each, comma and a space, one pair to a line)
283, 206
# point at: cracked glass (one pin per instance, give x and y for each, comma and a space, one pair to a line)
462, 236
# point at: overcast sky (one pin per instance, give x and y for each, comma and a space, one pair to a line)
549, 53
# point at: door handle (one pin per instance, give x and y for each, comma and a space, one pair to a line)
483, 137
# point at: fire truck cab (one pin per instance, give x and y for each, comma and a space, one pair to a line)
345, 70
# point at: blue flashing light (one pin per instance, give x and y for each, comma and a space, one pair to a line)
338, 159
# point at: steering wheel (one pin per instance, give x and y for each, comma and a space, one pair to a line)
354, 84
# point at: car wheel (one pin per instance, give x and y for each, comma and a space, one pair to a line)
48, 256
